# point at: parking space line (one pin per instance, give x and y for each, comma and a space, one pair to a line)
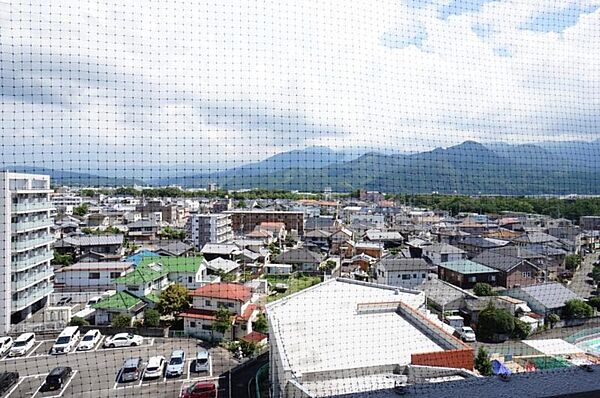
65, 387
152, 342
99, 343
118, 378
15, 387
38, 389
142, 378
36, 347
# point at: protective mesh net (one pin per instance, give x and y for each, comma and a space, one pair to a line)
299, 199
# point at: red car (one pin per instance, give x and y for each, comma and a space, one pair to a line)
200, 390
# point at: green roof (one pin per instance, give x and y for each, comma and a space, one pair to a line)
467, 267
141, 274
175, 264
118, 301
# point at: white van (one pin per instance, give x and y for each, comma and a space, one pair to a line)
66, 341
92, 301
22, 345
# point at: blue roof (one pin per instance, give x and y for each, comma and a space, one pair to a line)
137, 257
467, 267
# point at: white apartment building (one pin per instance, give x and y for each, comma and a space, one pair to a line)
209, 228
25, 251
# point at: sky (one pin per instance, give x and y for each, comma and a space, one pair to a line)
100, 85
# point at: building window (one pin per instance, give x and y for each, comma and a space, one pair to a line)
114, 275
230, 305
414, 276
207, 303
405, 276
192, 324
94, 275
444, 258
206, 327
190, 279
492, 278
422, 275
526, 274
472, 279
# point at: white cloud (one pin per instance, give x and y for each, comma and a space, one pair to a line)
173, 81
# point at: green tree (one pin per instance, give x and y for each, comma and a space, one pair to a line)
596, 274
483, 363
553, 319
493, 321
577, 309
521, 330
222, 322
274, 249
121, 321
63, 260
483, 289
248, 348
572, 262
78, 321
261, 324
173, 300
241, 204
595, 302
81, 210
151, 318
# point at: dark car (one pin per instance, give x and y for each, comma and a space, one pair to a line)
132, 369
200, 390
64, 301
7, 380
57, 378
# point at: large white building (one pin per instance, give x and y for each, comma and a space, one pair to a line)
346, 337
209, 228
25, 251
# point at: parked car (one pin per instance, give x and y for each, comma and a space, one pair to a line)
155, 367
467, 334
58, 377
92, 301
7, 380
132, 369
66, 341
123, 340
22, 345
6, 344
176, 364
64, 301
202, 363
200, 389
89, 340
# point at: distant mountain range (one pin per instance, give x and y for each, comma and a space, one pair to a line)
468, 168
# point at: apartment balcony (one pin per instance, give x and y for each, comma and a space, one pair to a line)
32, 279
33, 296
31, 225
21, 265
31, 243
25, 207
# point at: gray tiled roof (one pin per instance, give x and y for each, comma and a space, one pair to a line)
497, 261
93, 240
400, 263
550, 295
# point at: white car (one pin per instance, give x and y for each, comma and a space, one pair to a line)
123, 340
467, 334
89, 340
6, 344
202, 363
22, 345
155, 367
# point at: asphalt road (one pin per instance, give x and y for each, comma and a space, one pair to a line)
95, 372
242, 378
581, 282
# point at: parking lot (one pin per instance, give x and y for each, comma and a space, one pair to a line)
96, 373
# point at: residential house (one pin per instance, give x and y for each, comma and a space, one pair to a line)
90, 276
302, 258
143, 280
228, 251
276, 228
318, 237
98, 220
143, 231
339, 238
445, 296
119, 303
373, 249
438, 253
222, 266
388, 239
207, 300
79, 245
395, 270
136, 258
474, 245
544, 298
466, 273
191, 272
513, 271
175, 248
